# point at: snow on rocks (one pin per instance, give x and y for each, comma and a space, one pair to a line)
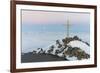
80, 45
71, 49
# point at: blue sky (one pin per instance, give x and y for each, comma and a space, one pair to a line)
42, 28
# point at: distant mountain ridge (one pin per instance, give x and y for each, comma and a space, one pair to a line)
71, 48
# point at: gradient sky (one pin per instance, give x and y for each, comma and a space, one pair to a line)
42, 28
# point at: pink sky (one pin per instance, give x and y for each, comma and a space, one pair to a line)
45, 17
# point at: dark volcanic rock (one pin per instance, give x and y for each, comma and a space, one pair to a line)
29, 57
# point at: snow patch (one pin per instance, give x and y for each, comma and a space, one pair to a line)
80, 45
71, 58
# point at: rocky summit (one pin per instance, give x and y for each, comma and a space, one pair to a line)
70, 48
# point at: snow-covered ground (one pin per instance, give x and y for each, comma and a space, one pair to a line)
71, 58
80, 45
